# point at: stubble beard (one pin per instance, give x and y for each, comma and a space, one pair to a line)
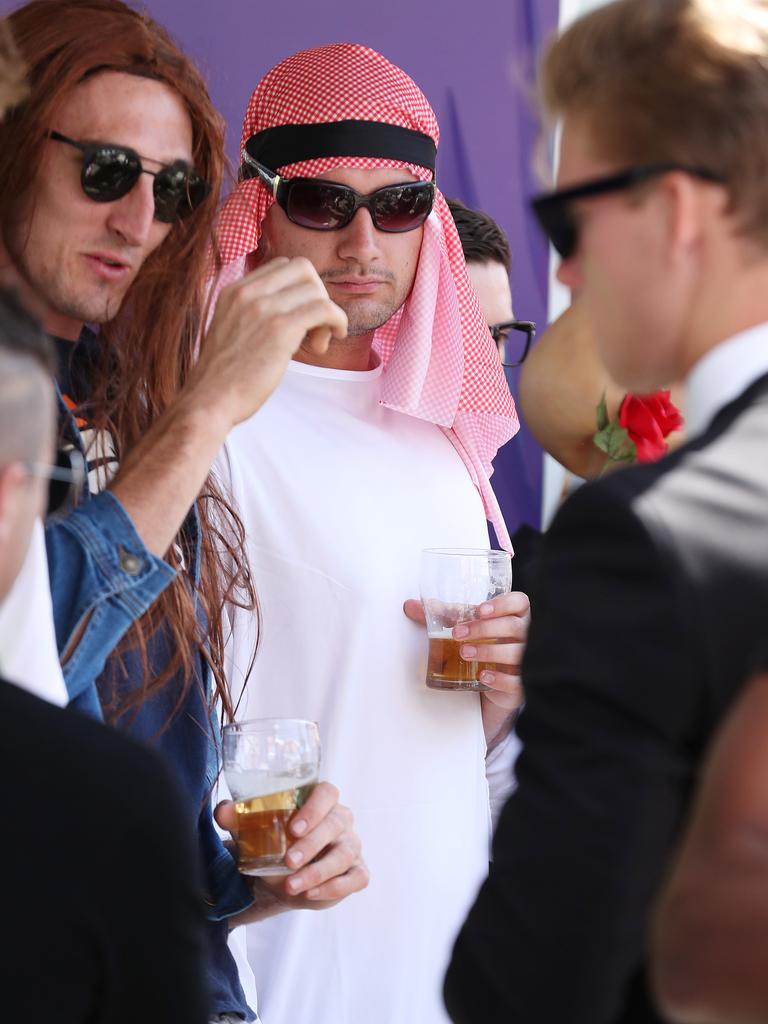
365, 315
94, 306
51, 291
367, 321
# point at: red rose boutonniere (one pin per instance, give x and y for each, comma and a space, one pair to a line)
638, 435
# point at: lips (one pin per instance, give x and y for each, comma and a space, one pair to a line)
108, 266
360, 285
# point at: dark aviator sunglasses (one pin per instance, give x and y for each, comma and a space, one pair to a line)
109, 172
558, 220
328, 206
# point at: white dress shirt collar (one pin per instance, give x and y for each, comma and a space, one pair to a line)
724, 373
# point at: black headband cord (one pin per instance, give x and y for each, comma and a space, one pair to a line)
294, 143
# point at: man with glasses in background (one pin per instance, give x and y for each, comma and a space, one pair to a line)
364, 456
486, 250
489, 261
110, 171
653, 587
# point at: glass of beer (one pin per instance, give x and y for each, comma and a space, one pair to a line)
271, 766
454, 583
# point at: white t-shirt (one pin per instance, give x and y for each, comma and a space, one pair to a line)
338, 496
28, 653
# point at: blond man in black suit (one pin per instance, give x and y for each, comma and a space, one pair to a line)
654, 581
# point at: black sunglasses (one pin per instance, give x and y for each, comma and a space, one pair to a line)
558, 221
500, 334
327, 206
109, 172
66, 479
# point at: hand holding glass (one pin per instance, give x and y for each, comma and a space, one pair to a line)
271, 766
454, 583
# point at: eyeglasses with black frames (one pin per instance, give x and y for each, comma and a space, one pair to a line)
557, 219
66, 480
516, 336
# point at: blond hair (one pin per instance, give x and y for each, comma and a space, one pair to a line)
679, 81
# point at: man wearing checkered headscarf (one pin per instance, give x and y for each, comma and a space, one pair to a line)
359, 461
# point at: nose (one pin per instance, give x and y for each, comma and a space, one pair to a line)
359, 240
132, 216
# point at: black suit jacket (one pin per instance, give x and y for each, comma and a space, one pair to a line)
101, 918
651, 612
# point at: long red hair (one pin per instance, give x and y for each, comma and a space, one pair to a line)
149, 348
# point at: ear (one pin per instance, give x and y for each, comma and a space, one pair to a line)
687, 208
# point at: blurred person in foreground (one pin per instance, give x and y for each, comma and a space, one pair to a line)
711, 924
28, 652
654, 581
108, 939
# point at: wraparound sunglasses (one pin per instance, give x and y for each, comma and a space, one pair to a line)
109, 172
327, 206
560, 224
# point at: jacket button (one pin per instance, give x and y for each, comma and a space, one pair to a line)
129, 563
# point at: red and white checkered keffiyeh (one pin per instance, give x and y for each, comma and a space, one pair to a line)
440, 362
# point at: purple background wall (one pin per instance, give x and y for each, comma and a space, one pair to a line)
476, 69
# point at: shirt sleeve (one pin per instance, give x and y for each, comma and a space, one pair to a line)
103, 576
500, 773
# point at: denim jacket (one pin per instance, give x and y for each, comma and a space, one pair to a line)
100, 568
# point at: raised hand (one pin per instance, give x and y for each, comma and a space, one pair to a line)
259, 323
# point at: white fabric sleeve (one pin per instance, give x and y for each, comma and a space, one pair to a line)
28, 653
500, 773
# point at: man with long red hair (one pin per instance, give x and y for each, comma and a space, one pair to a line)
110, 171
364, 455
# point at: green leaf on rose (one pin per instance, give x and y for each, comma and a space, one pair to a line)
616, 443
612, 438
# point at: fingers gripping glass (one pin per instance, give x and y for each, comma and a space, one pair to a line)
66, 479
525, 331
559, 222
109, 172
327, 206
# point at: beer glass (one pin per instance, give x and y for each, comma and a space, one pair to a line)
271, 766
454, 583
